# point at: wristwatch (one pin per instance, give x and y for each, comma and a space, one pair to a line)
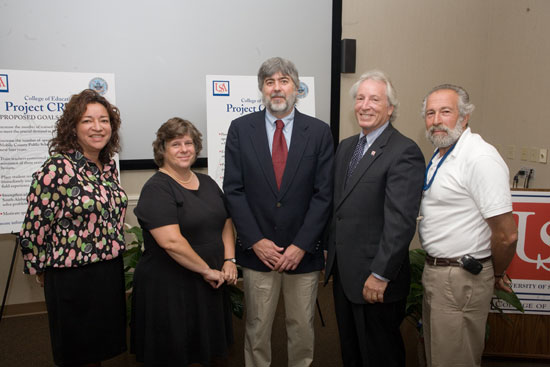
232, 259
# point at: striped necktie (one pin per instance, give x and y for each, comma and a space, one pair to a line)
357, 155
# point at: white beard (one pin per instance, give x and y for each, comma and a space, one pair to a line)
444, 141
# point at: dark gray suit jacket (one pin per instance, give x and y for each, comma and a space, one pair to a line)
374, 214
297, 214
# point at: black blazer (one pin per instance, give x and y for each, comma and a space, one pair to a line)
296, 214
374, 215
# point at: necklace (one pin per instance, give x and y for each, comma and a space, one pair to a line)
183, 182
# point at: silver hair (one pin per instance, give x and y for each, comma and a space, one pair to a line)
390, 90
464, 105
277, 65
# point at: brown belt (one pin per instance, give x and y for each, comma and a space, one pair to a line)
440, 261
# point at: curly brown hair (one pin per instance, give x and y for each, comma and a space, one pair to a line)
171, 129
65, 139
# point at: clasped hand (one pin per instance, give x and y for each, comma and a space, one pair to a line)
213, 277
216, 278
278, 258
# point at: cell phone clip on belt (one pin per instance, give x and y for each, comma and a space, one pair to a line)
470, 264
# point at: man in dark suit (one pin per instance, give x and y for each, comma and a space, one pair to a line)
378, 184
278, 184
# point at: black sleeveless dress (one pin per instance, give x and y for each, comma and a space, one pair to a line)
177, 317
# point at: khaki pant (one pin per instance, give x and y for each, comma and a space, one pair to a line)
454, 314
262, 291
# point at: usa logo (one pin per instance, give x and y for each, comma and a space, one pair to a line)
4, 86
220, 87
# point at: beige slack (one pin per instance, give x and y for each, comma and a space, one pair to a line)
454, 314
262, 290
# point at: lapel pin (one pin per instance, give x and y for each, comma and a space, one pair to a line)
373, 153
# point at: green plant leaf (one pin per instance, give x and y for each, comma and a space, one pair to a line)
510, 298
236, 296
137, 232
131, 258
417, 258
128, 280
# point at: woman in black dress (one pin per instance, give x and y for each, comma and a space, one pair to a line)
72, 237
180, 312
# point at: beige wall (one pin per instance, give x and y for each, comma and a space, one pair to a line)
516, 93
496, 49
23, 288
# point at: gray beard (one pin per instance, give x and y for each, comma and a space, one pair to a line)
447, 140
286, 106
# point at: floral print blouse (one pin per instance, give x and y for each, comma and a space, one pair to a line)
75, 215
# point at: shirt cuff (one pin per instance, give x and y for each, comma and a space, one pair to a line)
380, 277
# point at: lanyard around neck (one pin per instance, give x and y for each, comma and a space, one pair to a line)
427, 185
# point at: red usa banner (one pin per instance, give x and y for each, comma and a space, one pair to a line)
530, 268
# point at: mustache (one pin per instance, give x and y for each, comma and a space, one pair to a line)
435, 129
277, 95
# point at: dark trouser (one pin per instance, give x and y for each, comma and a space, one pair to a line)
369, 333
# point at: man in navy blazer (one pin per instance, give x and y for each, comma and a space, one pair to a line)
280, 211
378, 184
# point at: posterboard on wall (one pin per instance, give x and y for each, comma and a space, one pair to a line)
30, 104
232, 96
530, 268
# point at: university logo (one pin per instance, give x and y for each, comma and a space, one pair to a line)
220, 87
4, 86
532, 260
533, 245
99, 85
303, 90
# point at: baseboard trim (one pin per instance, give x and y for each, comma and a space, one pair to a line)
25, 309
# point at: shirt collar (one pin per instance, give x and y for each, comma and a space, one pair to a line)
464, 136
81, 162
287, 120
373, 135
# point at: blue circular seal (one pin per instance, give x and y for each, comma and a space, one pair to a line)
303, 90
99, 85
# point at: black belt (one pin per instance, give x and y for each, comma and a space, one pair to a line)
440, 261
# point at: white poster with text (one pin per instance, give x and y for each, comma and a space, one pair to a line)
30, 104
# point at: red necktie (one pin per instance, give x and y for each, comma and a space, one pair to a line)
279, 152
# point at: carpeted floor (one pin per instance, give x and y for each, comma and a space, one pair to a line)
25, 341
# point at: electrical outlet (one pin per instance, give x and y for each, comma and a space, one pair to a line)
533, 154
524, 154
543, 155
